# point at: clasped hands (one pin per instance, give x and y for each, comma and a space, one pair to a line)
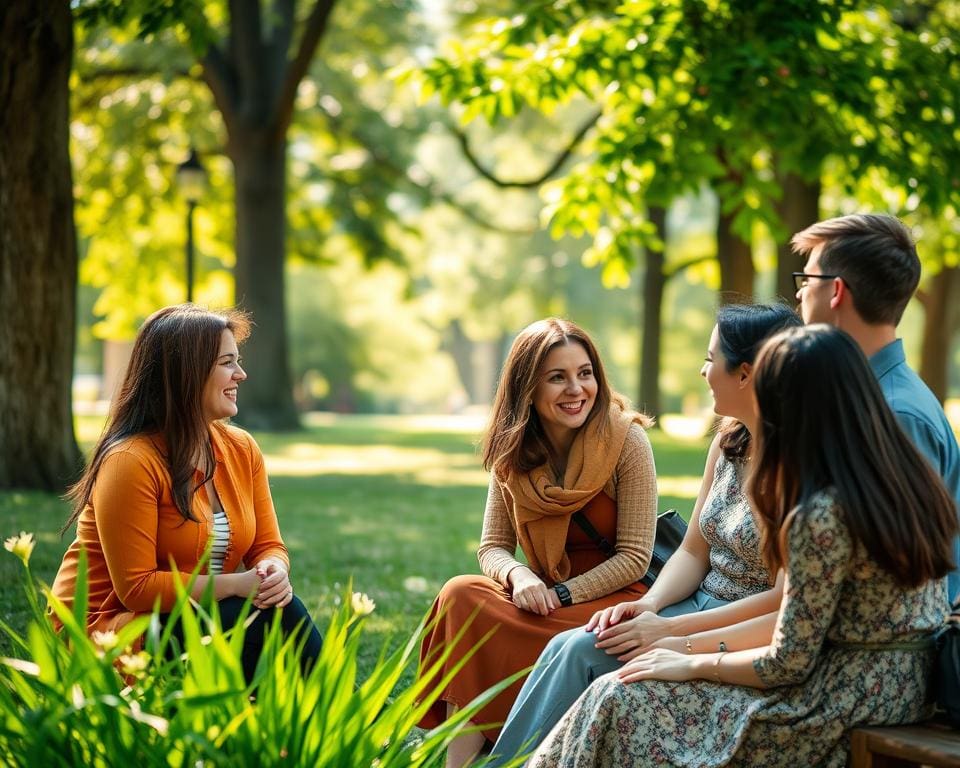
270, 584
529, 593
635, 634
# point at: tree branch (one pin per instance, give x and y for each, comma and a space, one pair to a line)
555, 166
220, 79
93, 95
297, 68
682, 266
108, 73
281, 23
430, 187
247, 59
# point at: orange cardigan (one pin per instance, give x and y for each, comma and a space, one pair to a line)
131, 529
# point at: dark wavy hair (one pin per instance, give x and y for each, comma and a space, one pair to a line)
515, 439
162, 392
825, 425
741, 331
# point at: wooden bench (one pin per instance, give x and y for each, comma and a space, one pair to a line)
905, 745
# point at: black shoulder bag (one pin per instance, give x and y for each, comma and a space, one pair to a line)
670, 532
947, 669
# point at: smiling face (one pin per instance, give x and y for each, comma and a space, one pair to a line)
730, 397
566, 393
220, 391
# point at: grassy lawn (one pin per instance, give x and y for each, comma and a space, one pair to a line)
393, 503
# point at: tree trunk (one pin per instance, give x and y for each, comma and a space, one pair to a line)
254, 80
259, 161
799, 208
940, 321
38, 249
460, 347
652, 328
736, 263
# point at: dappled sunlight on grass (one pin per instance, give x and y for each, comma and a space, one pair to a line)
423, 465
89, 428
685, 486
686, 427
468, 423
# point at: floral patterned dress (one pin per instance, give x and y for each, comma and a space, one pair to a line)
728, 526
821, 684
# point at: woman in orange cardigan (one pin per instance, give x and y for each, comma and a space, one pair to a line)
169, 478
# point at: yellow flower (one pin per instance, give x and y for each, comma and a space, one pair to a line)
105, 641
21, 546
134, 664
361, 604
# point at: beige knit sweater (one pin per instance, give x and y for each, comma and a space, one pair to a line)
634, 488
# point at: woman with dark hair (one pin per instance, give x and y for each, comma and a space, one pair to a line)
573, 482
170, 480
715, 579
863, 528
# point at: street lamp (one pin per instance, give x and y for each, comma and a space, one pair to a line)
192, 181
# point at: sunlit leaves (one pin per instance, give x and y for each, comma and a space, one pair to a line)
139, 104
701, 89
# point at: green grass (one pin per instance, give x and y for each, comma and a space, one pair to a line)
393, 503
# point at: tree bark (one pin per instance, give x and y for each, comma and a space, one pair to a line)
259, 161
736, 263
38, 249
799, 208
940, 322
654, 282
254, 82
460, 347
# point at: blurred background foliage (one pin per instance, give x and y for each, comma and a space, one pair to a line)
456, 171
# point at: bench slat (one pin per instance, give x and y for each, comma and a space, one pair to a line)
905, 745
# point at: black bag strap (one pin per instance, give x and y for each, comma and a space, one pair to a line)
954, 616
586, 526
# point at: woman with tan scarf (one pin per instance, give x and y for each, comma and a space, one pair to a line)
560, 442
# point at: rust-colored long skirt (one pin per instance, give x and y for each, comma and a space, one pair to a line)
520, 636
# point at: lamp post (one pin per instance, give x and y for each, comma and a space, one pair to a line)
192, 182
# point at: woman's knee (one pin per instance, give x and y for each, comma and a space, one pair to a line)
229, 610
557, 643
295, 612
573, 649
465, 588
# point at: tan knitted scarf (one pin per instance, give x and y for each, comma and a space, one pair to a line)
540, 510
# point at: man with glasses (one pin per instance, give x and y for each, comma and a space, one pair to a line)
860, 273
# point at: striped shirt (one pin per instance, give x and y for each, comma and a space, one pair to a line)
220, 541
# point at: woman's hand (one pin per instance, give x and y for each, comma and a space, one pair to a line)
660, 664
677, 644
275, 589
529, 593
243, 583
601, 620
630, 638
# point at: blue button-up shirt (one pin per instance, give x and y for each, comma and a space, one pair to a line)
922, 418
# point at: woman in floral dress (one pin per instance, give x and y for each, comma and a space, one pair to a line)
863, 528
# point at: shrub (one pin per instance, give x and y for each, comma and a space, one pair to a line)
99, 701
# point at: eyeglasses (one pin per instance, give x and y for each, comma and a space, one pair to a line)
801, 279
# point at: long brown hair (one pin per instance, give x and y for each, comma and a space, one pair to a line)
825, 425
515, 439
162, 392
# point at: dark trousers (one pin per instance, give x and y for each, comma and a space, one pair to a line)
294, 618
